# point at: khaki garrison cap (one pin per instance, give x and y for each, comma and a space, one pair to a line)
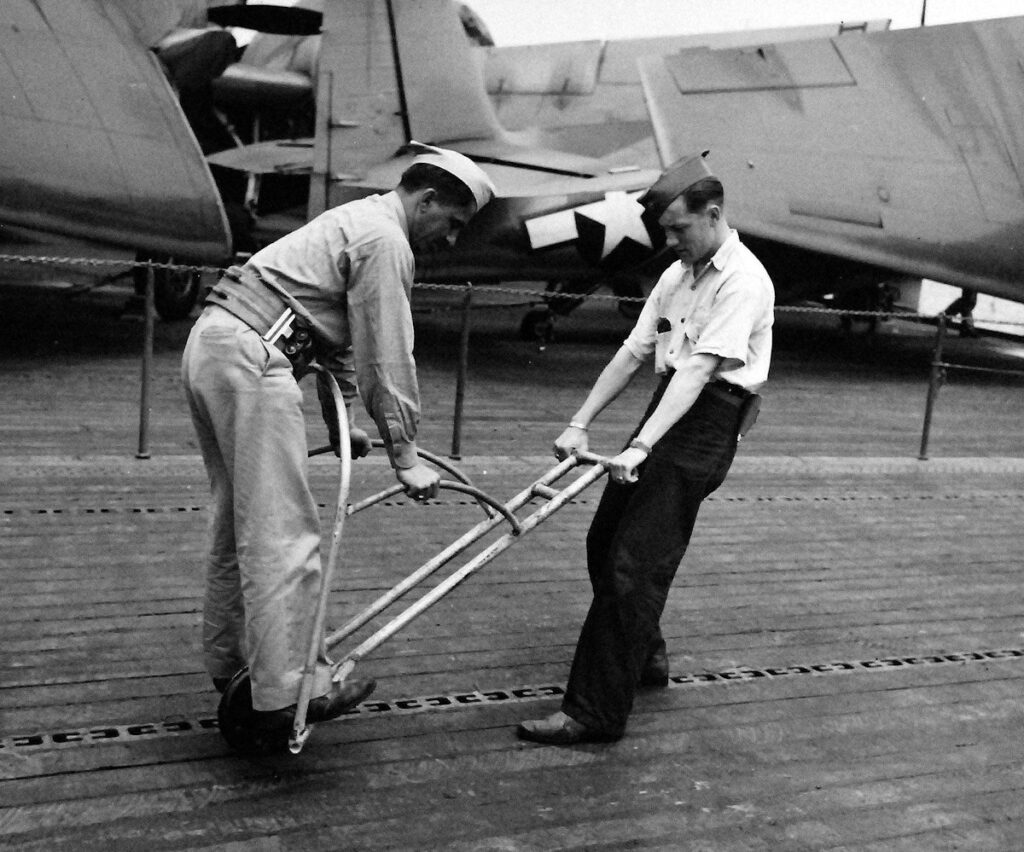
674, 181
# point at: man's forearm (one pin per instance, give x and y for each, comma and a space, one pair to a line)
683, 389
614, 378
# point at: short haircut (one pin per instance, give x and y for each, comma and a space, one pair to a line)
450, 190
702, 193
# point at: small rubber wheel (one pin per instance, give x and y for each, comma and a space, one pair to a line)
236, 720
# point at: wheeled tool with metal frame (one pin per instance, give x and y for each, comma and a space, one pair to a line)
235, 710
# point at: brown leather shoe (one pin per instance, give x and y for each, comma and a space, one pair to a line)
321, 709
559, 729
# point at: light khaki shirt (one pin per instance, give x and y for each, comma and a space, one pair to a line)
350, 271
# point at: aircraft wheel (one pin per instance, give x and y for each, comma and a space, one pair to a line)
176, 290
630, 310
537, 325
236, 720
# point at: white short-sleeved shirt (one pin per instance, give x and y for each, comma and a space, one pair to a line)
727, 311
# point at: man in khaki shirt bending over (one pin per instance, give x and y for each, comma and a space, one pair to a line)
343, 281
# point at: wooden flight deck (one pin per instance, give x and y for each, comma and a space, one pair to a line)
846, 633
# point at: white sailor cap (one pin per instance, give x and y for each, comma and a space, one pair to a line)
457, 164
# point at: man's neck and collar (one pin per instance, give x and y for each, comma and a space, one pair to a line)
396, 200
714, 258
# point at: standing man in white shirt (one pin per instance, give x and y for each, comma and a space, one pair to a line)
337, 289
708, 325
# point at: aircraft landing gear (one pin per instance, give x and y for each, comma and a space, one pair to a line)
538, 326
177, 290
629, 309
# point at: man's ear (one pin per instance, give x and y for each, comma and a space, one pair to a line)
429, 195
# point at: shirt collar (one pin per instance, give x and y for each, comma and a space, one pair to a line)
719, 258
392, 200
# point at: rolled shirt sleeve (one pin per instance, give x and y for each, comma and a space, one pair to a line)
731, 321
641, 340
381, 328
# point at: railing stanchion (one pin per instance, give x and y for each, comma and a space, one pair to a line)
463, 373
147, 364
935, 382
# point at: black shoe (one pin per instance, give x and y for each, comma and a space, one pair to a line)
321, 709
560, 729
655, 670
328, 707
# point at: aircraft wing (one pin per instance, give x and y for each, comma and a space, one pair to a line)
586, 95
900, 150
94, 145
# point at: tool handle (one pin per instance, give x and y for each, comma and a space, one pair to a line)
493, 506
434, 459
488, 504
592, 458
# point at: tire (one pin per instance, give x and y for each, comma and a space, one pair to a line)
176, 290
236, 721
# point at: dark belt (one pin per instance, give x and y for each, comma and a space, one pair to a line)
731, 393
287, 331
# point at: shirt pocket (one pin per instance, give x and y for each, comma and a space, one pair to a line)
696, 322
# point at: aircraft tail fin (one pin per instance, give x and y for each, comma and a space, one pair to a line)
392, 71
443, 79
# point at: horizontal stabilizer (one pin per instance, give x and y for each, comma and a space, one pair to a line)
277, 156
507, 153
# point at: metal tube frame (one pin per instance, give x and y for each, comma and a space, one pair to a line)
556, 501
440, 560
300, 730
497, 513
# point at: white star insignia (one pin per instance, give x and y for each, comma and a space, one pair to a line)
620, 214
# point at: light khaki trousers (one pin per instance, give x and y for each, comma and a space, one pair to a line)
263, 569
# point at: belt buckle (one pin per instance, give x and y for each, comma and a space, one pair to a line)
281, 327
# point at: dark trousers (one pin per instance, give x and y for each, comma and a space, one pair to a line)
636, 541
